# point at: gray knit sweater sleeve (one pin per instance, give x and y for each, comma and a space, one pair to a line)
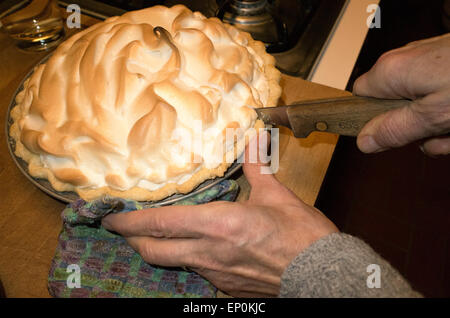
340, 265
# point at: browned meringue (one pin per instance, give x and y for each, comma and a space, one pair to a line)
113, 108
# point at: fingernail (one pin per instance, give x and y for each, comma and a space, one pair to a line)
368, 144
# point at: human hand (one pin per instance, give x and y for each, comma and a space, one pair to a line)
419, 71
242, 248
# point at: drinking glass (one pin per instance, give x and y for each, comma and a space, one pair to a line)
35, 25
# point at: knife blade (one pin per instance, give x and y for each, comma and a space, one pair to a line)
344, 115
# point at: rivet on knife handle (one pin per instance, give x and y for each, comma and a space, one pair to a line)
345, 116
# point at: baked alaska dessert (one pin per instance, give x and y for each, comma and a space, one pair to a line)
113, 109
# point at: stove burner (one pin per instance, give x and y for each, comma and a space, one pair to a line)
257, 17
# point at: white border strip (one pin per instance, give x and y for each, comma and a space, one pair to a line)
342, 50
330, 36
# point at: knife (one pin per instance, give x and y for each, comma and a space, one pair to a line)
343, 115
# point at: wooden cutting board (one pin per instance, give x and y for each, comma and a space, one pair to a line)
30, 220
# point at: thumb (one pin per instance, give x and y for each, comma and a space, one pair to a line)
253, 164
392, 129
265, 188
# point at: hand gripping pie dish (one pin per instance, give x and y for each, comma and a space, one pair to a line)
113, 109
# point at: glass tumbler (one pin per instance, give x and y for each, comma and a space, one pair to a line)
35, 25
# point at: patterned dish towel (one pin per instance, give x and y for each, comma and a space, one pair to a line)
107, 266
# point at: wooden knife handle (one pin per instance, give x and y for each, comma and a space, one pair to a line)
344, 116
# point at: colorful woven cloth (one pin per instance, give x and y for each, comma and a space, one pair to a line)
108, 266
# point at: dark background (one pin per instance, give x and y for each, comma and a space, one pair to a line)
397, 201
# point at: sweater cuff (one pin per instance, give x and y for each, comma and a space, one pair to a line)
340, 265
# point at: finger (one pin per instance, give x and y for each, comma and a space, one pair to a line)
381, 80
167, 252
408, 72
437, 146
366, 85
391, 78
170, 221
391, 129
